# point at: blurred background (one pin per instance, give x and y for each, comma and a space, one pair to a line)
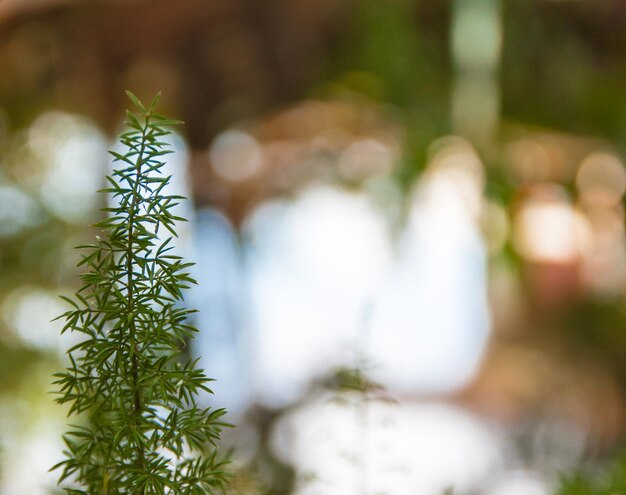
407, 218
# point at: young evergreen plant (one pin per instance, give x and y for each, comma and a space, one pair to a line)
139, 430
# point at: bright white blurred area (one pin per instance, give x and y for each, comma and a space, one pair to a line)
36, 327
314, 267
74, 151
431, 322
58, 168
222, 344
328, 280
520, 483
356, 447
18, 211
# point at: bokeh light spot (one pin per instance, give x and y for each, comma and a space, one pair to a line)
236, 155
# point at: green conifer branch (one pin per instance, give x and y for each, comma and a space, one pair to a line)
139, 428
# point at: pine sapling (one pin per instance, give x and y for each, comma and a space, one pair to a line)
138, 429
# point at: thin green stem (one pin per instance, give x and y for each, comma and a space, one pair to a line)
137, 402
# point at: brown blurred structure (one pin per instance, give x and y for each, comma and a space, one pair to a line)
214, 61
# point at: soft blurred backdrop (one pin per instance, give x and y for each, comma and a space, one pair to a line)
407, 218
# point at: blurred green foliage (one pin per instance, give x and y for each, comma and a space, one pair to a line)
612, 483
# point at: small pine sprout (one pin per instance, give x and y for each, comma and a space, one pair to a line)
138, 429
